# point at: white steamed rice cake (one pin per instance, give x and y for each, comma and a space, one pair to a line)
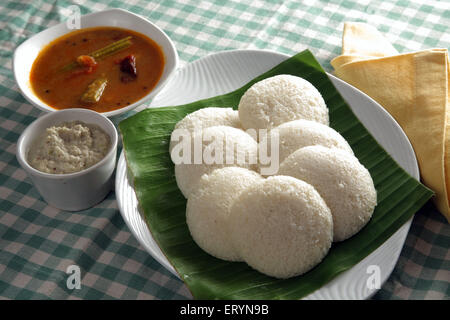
208, 209
343, 182
282, 98
281, 226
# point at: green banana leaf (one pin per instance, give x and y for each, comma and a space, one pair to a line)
146, 138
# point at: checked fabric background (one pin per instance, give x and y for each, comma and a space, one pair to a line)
39, 242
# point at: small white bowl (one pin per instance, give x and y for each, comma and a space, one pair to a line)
27, 52
73, 191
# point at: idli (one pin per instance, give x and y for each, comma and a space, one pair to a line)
203, 118
208, 209
342, 181
212, 148
281, 226
293, 135
282, 98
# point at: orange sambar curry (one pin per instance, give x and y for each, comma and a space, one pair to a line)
101, 68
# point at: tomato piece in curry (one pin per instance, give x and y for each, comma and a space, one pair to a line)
63, 70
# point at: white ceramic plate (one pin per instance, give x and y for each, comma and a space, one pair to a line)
27, 52
224, 72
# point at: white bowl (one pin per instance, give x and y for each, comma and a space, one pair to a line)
26, 53
73, 191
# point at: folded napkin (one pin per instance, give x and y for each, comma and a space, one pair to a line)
413, 88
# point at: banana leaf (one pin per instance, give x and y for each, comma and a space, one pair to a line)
146, 136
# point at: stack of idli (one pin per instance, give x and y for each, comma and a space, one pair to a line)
280, 224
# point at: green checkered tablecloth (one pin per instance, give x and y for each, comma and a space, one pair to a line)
39, 242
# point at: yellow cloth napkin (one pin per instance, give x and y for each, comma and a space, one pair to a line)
413, 88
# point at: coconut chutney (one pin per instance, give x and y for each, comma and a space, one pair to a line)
69, 147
